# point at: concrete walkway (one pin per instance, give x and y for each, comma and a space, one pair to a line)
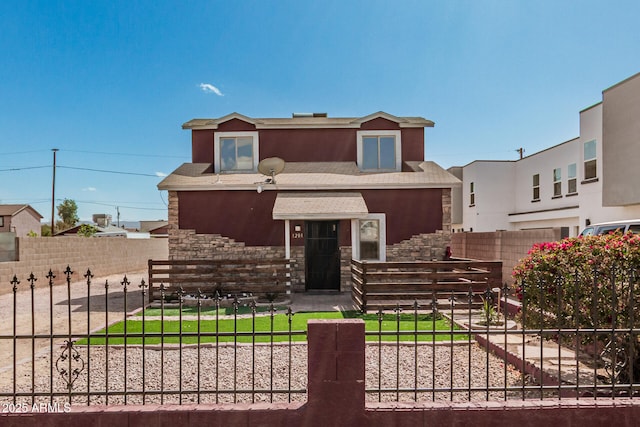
543, 360
321, 302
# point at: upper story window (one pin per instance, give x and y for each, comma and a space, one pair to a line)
572, 180
235, 151
536, 188
472, 194
557, 182
590, 160
1, 221
379, 150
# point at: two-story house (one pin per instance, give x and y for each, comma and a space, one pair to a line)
344, 187
589, 179
19, 219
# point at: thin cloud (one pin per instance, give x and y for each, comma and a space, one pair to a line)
209, 88
161, 174
89, 189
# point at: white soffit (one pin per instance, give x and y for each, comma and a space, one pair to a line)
319, 206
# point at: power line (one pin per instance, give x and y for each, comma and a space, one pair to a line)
24, 168
103, 153
22, 152
127, 154
83, 169
120, 205
108, 171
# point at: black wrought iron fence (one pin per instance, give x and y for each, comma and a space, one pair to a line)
90, 343
89, 346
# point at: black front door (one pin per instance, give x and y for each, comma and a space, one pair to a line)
322, 256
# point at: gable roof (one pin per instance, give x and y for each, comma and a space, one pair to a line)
12, 210
307, 121
402, 121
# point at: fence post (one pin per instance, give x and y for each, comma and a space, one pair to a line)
336, 362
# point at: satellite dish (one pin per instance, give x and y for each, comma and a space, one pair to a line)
271, 166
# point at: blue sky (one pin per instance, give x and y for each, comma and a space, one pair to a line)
109, 83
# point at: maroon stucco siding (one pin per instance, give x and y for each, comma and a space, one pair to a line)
413, 144
202, 146
379, 124
309, 145
246, 216
408, 212
235, 125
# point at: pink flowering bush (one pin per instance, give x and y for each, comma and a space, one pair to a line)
584, 282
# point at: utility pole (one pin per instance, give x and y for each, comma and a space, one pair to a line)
521, 152
118, 217
53, 191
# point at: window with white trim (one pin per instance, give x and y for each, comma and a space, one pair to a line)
572, 180
536, 187
379, 150
557, 182
369, 243
590, 160
235, 151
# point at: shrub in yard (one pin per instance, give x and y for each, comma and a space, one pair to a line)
586, 282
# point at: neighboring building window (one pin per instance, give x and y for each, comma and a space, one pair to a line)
572, 180
379, 150
590, 160
472, 194
236, 151
536, 187
557, 182
1, 221
370, 244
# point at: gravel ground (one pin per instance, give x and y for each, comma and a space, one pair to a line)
253, 372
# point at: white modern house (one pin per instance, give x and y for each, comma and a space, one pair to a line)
589, 179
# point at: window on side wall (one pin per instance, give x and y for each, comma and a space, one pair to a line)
536, 187
472, 194
590, 160
370, 243
236, 152
379, 150
557, 182
1, 221
572, 180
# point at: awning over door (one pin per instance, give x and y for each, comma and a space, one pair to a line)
319, 206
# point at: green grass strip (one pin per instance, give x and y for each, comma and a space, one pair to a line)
263, 328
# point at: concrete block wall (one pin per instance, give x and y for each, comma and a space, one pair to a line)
506, 246
102, 255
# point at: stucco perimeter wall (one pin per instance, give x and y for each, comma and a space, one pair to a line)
506, 246
103, 256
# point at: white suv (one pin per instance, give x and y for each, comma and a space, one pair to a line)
632, 225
